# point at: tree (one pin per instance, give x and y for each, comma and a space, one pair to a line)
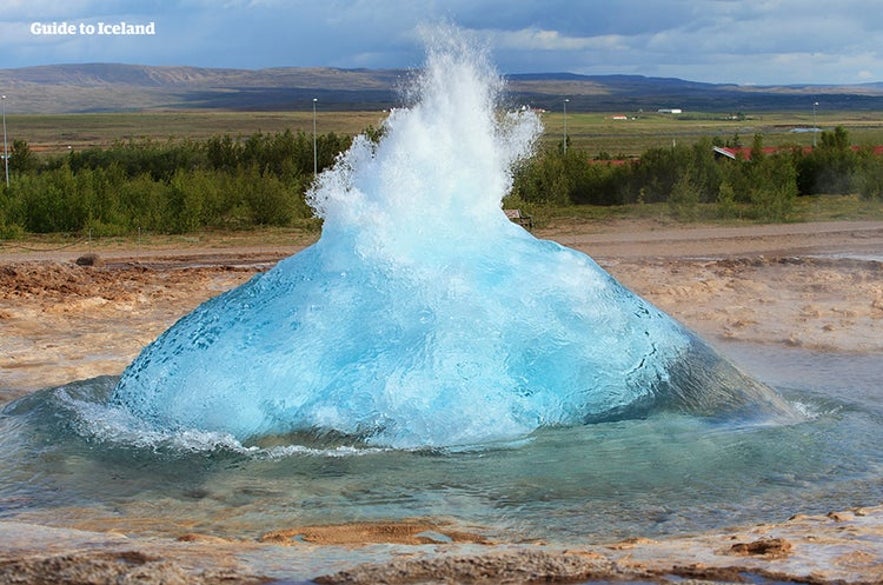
869, 175
543, 180
757, 153
773, 188
223, 153
21, 157
829, 168
726, 200
684, 198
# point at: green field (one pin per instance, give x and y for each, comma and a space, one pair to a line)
54, 133
596, 133
593, 132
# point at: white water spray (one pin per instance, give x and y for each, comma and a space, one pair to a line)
422, 316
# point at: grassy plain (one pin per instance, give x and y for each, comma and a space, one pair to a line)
597, 132
593, 132
806, 209
54, 133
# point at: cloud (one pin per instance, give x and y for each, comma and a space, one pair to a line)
773, 41
534, 39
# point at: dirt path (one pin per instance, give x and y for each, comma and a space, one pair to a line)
641, 239
609, 239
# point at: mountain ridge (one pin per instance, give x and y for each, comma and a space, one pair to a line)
109, 87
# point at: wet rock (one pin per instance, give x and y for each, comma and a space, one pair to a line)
526, 566
202, 538
630, 543
843, 516
89, 260
770, 548
409, 533
99, 568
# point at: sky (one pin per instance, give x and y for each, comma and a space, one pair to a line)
747, 42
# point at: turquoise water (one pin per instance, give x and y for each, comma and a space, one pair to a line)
423, 317
66, 459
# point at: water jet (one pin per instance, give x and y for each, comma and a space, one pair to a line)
423, 317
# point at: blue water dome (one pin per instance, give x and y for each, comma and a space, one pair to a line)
423, 317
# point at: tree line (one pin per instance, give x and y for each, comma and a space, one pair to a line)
261, 180
762, 186
165, 187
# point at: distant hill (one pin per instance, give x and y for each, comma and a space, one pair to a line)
108, 87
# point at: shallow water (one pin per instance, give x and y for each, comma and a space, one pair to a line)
68, 459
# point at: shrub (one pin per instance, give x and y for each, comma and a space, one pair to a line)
726, 201
684, 198
869, 175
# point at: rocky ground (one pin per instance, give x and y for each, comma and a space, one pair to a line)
818, 286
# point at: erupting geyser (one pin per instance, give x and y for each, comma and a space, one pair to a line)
422, 316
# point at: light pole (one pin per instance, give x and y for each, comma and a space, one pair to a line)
565, 124
815, 129
5, 149
315, 152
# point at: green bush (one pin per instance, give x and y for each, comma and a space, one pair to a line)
168, 187
726, 201
227, 182
684, 199
869, 175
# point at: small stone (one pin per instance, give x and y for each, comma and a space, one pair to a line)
90, 259
765, 547
841, 516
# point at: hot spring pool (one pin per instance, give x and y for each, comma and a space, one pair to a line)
66, 460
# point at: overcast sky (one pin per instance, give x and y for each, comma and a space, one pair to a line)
724, 41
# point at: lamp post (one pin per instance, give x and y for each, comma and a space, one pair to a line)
315, 152
5, 149
815, 129
565, 124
